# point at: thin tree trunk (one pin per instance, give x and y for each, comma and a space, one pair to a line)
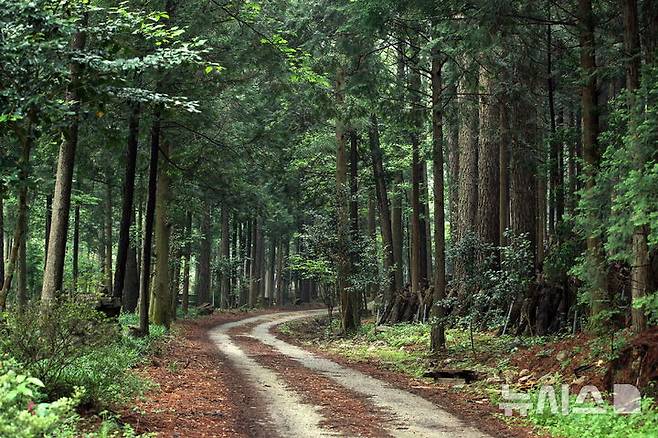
503, 181
383, 208
130, 289
397, 231
640, 265
21, 293
107, 238
226, 258
148, 226
27, 141
348, 299
76, 247
418, 258
160, 306
591, 152
203, 279
354, 185
56, 255
2, 234
255, 268
127, 212
49, 214
437, 336
185, 300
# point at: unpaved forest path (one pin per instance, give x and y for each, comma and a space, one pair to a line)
305, 395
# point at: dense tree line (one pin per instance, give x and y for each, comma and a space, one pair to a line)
479, 162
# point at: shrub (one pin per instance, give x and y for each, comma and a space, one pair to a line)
21, 414
49, 343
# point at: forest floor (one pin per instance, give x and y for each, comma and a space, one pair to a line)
236, 375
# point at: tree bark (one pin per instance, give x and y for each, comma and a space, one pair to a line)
354, 185
27, 141
76, 247
468, 161
49, 214
349, 299
640, 264
54, 270
2, 233
591, 152
185, 300
226, 258
503, 181
144, 290
205, 249
487, 216
107, 238
384, 209
437, 336
127, 212
160, 306
254, 284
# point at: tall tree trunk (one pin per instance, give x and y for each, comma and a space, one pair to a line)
254, 283
503, 181
21, 292
640, 264
27, 141
383, 208
205, 250
54, 270
487, 216
452, 144
107, 238
127, 210
160, 306
76, 247
354, 185
418, 257
397, 231
272, 267
591, 152
553, 162
130, 289
349, 300
148, 225
226, 258
468, 161
437, 336
185, 300
49, 216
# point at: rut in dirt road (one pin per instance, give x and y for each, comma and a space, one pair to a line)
406, 414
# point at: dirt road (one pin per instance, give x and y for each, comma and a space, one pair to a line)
305, 395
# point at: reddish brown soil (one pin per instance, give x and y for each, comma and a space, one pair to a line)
199, 394
343, 410
470, 407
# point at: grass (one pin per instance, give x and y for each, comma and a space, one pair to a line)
405, 348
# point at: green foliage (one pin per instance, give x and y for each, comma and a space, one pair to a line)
608, 424
485, 290
22, 415
649, 304
72, 345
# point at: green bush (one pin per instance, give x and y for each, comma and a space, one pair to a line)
21, 414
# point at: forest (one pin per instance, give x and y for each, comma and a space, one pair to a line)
272, 218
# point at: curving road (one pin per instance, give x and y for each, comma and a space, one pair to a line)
251, 347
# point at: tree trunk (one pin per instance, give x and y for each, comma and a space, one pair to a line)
21, 293
503, 181
160, 306
640, 264
487, 215
148, 226
418, 257
354, 185
54, 270
27, 141
349, 299
205, 249
76, 247
591, 152
185, 300
437, 336
254, 283
49, 215
127, 212
384, 209
397, 231
226, 259
272, 267
130, 288
107, 238
468, 161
